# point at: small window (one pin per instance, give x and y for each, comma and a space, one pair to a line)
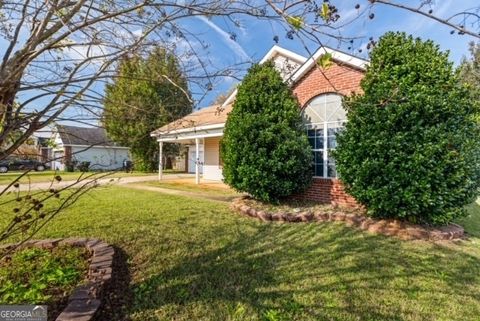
324, 118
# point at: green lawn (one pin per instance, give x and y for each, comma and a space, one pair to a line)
472, 221
192, 259
188, 185
46, 176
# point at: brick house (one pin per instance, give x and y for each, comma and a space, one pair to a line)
319, 92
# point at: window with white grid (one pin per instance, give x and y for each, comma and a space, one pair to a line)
324, 117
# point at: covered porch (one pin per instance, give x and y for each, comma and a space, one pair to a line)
201, 128
210, 164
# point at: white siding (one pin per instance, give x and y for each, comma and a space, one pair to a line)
212, 169
285, 66
101, 158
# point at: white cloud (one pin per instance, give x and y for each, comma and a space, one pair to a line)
234, 46
417, 22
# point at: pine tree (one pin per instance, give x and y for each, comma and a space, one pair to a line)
147, 94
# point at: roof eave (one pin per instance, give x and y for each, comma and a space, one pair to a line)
269, 55
337, 55
187, 129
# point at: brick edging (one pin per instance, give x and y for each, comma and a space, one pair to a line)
85, 300
386, 227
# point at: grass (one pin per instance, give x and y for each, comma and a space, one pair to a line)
188, 185
39, 276
193, 259
47, 176
472, 221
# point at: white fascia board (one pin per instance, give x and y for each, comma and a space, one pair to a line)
190, 130
336, 55
284, 52
230, 98
270, 54
216, 132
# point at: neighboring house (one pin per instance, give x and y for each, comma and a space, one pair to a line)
43, 144
34, 147
86, 144
319, 92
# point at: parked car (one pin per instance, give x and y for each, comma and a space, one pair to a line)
21, 164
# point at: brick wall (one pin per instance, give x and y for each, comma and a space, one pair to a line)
337, 78
327, 191
67, 156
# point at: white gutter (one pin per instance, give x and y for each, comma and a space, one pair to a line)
190, 129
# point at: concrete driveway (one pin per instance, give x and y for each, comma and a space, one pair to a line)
101, 181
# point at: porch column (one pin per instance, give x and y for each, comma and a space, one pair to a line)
197, 161
160, 161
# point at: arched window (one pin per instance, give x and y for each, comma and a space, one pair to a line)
324, 117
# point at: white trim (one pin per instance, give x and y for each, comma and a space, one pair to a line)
336, 55
275, 50
189, 136
297, 75
284, 52
197, 160
325, 150
230, 98
160, 161
189, 129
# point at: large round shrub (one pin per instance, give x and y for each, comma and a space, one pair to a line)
265, 149
410, 149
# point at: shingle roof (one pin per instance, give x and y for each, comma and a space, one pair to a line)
72, 135
212, 115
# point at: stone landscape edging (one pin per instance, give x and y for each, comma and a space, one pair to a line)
85, 300
396, 228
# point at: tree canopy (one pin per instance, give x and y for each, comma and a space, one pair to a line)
470, 69
57, 54
147, 94
410, 147
265, 148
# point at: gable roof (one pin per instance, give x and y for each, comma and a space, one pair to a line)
338, 56
206, 117
307, 64
73, 135
277, 50
215, 116
272, 53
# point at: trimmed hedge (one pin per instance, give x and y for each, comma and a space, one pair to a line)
410, 149
265, 148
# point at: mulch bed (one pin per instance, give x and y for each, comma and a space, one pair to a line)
351, 217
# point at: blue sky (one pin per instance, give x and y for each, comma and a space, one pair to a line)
255, 38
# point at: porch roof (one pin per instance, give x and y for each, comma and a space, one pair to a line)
206, 118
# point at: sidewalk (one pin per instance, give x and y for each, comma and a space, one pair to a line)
101, 181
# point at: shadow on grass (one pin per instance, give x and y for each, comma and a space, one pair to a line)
471, 223
117, 297
314, 272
